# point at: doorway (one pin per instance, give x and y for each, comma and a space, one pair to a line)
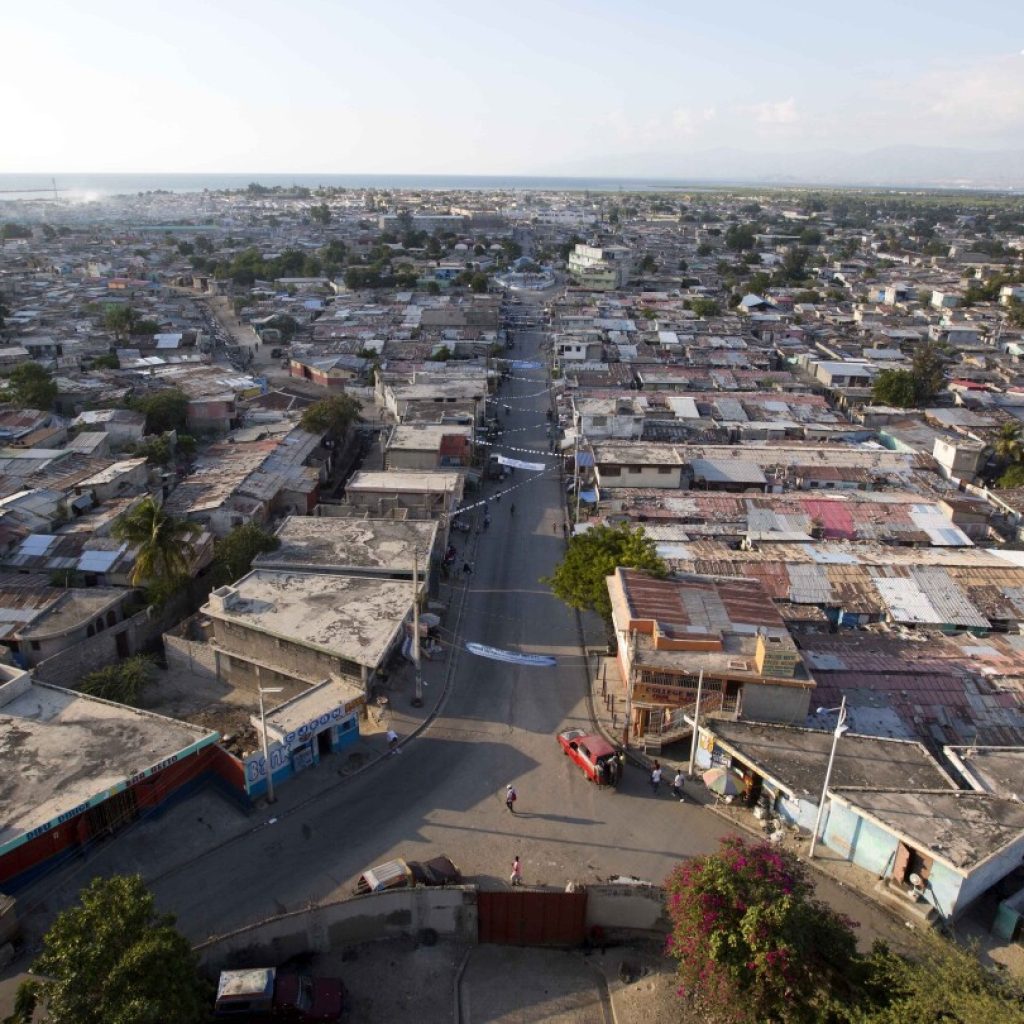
323, 743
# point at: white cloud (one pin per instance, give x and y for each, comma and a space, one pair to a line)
781, 112
689, 122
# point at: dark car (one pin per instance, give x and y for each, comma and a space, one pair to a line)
264, 994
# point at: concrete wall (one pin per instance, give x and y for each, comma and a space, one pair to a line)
990, 872
634, 907
195, 656
765, 703
67, 667
287, 658
449, 912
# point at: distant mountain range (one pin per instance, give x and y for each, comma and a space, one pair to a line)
902, 166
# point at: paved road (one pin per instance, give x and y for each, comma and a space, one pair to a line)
445, 792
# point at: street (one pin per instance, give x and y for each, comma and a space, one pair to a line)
445, 793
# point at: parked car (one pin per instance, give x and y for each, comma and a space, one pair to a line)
276, 353
264, 994
402, 874
588, 751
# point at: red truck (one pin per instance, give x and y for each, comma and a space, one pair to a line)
262, 994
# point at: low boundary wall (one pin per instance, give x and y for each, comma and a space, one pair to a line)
450, 912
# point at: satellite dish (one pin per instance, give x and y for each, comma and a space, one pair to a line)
916, 881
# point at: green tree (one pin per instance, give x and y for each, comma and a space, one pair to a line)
579, 579
1014, 314
943, 983
119, 320
122, 683
1009, 445
753, 944
1012, 478
332, 415
31, 387
927, 368
155, 449
478, 283
705, 307
107, 361
793, 268
114, 960
741, 236
164, 546
648, 264
164, 410
233, 555
896, 388
321, 214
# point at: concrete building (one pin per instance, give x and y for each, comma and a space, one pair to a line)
600, 268
783, 767
77, 769
432, 493
939, 849
669, 632
298, 629
382, 548
418, 446
629, 464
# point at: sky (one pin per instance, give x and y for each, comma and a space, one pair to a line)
556, 86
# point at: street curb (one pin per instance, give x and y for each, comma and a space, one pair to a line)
457, 987
312, 798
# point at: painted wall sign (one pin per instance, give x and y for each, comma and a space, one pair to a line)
106, 794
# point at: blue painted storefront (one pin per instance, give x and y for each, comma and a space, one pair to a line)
874, 849
303, 751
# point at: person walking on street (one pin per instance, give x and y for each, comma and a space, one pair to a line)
467, 569
392, 738
677, 785
512, 509
554, 527
510, 798
517, 873
655, 778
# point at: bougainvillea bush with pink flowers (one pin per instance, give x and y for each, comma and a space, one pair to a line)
753, 944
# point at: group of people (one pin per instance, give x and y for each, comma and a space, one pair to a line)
677, 782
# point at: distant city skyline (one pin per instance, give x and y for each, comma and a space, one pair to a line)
655, 88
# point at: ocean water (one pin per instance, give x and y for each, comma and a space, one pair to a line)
17, 186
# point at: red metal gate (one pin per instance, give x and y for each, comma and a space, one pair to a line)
527, 918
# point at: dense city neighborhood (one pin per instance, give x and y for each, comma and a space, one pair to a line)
567, 533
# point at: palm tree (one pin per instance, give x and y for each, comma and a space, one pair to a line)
1009, 444
165, 547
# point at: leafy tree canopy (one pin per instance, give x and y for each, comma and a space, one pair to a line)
164, 410
332, 415
164, 545
579, 579
32, 387
752, 943
896, 388
233, 555
114, 960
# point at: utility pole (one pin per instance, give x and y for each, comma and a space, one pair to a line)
696, 722
266, 753
417, 700
629, 690
839, 730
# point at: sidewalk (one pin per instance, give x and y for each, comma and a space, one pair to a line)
177, 836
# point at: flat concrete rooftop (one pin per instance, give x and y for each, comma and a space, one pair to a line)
960, 828
315, 544
797, 758
351, 617
59, 749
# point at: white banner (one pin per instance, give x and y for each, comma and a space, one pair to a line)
535, 467
512, 657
